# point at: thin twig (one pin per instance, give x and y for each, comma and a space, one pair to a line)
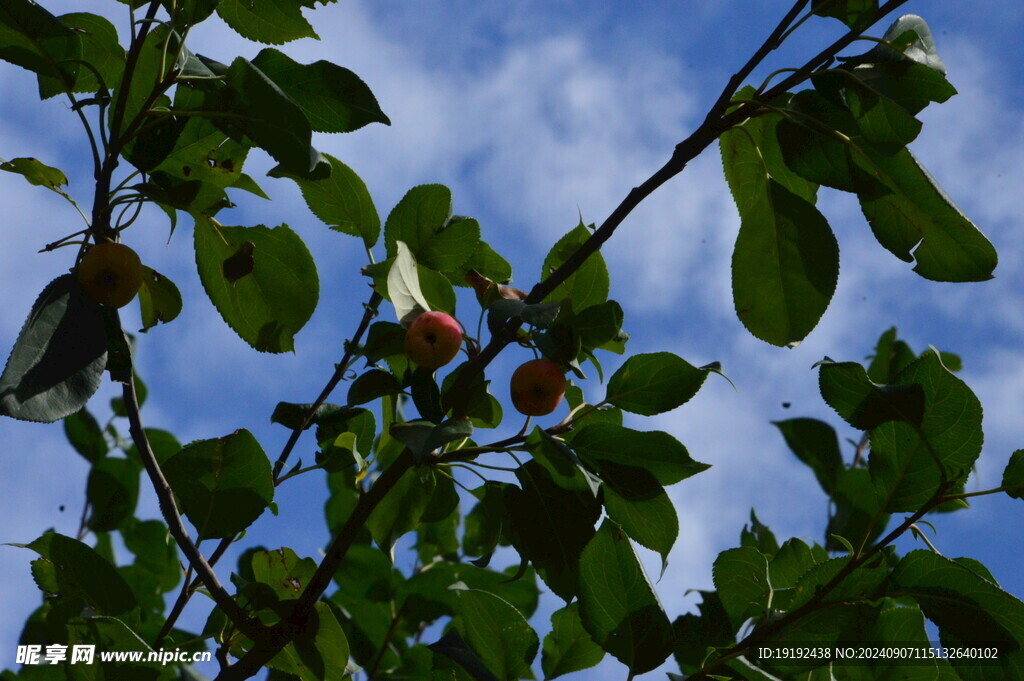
339, 373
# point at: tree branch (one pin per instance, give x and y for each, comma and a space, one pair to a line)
332, 383
176, 526
715, 123
281, 634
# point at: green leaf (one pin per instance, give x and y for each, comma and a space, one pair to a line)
741, 578
655, 451
618, 607
320, 652
449, 249
910, 84
164, 445
342, 202
589, 284
457, 650
916, 220
85, 435
908, 461
884, 124
333, 98
863, 583
224, 484
638, 503
100, 49
568, 648
417, 217
36, 172
598, 324
372, 385
865, 405
423, 437
486, 262
790, 562
696, 634
549, 526
484, 523
151, 67
436, 537
816, 444
497, 632
1013, 475
283, 571
403, 284
560, 462
251, 106
759, 536
190, 12
195, 150
653, 383
423, 221
401, 510
854, 13
273, 22
80, 571
154, 550
436, 289
58, 360
890, 358
159, 299
786, 261
967, 608
760, 135
34, 39
908, 212
112, 492
858, 516
269, 305
428, 595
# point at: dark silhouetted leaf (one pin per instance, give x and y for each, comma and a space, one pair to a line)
333, 98
568, 648
816, 444
58, 360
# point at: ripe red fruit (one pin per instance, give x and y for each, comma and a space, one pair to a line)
110, 274
433, 340
537, 387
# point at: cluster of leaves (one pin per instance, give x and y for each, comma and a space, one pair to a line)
921, 437
850, 132
578, 494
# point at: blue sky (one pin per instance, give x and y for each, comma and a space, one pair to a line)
533, 113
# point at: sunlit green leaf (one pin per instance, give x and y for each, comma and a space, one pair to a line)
269, 305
